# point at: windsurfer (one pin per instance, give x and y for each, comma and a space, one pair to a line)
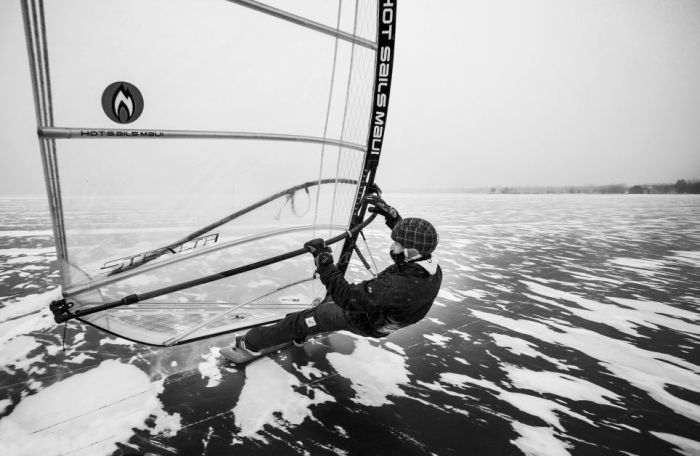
399, 296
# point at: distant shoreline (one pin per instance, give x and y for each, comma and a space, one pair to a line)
680, 187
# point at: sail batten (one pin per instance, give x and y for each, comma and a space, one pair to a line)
121, 133
305, 22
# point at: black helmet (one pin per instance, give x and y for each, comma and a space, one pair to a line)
416, 233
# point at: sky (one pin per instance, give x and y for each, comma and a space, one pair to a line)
492, 93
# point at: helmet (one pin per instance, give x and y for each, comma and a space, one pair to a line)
416, 233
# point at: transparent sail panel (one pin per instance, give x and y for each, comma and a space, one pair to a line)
238, 136
357, 17
199, 65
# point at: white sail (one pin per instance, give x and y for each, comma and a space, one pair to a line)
183, 139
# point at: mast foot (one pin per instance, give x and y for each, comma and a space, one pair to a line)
61, 310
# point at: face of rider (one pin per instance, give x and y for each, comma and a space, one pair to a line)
396, 253
400, 255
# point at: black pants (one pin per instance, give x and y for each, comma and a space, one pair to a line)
323, 318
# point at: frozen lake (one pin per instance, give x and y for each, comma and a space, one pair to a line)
566, 324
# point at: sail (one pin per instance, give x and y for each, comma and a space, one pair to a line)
191, 147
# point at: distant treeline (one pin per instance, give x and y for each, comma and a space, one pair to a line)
681, 186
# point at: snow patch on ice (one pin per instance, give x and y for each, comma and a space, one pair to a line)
689, 257
476, 294
26, 325
87, 413
394, 347
538, 441
375, 373
521, 347
13, 252
562, 385
637, 263
309, 371
649, 371
116, 341
80, 358
683, 445
14, 352
30, 259
444, 294
341, 431
532, 405
515, 345
209, 368
625, 316
28, 304
4, 404
437, 339
461, 334
25, 233
268, 398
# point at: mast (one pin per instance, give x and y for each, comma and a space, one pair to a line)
384, 61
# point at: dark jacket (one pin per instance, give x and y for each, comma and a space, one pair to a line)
397, 297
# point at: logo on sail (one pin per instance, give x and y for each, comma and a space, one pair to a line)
122, 102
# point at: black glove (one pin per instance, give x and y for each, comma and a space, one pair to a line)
379, 206
373, 188
323, 255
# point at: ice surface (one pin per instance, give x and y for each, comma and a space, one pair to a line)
209, 368
528, 403
375, 373
309, 371
691, 257
437, 339
86, 413
15, 352
444, 294
644, 369
27, 305
637, 263
626, 318
539, 441
29, 252
26, 315
562, 385
25, 233
563, 326
683, 445
269, 398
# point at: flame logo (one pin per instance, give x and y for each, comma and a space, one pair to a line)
122, 102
